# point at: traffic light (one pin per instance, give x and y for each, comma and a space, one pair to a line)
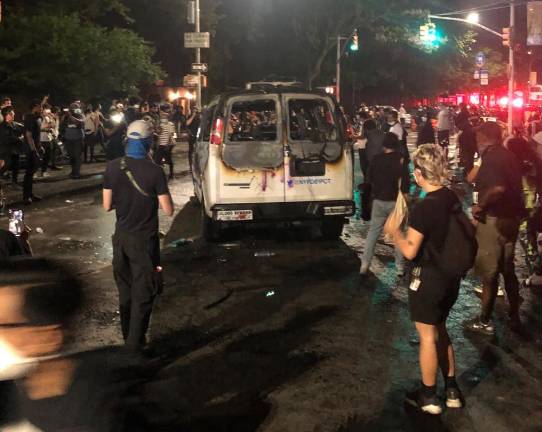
355, 41
506, 36
430, 36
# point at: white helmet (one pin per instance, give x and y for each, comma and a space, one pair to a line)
140, 129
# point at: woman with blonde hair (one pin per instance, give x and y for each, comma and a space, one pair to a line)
432, 293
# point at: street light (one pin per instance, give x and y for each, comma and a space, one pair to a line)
473, 18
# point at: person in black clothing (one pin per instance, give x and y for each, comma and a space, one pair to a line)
192, 123
55, 391
115, 132
467, 146
135, 187
498, 213
74, 134
386, 171
10, 142
426, 134
32, 132
431, 293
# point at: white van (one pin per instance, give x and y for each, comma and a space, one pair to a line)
273, 156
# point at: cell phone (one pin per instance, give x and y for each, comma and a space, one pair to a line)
65, 109
16, 222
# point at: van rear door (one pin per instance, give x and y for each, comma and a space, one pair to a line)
319, 161
252, 153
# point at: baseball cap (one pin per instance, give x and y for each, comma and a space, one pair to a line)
139, 129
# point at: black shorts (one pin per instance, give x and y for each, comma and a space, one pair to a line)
435, 297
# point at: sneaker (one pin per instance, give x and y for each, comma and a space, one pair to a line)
477, 326
454, 398
426, 404
500, 291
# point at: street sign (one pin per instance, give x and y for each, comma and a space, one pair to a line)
484, 81
190, 80
484, 74
200, 67
480, 59
197, 40
476, 74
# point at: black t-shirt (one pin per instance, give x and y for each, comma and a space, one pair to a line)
384, 173
500, 168
431, 218
94, 402
136, 212
32, 124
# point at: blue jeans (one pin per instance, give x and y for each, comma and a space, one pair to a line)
379, 215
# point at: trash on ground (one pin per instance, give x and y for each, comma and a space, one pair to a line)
230, 245
39, 230
65, 238
264, 254
222, 260
70, 201
180, 242
270, 293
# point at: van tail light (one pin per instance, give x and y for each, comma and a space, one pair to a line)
217, 133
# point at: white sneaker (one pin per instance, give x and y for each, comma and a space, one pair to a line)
500, 291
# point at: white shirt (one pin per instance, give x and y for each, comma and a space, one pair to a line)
444, 121
397, 129
167, 131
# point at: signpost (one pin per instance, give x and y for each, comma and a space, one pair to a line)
480, 59
197, 40
200, 67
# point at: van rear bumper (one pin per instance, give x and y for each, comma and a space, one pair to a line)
286, 211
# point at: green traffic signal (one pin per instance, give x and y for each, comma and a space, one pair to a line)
430, 37
355, 42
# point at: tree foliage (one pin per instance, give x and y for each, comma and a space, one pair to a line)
70, 59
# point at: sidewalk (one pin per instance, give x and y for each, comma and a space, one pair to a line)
58, 183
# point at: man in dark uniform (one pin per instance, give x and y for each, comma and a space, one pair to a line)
192, 124
135, 187
32, 132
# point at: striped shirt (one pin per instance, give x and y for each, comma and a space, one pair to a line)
167, 131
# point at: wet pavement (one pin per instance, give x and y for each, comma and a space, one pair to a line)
294, 341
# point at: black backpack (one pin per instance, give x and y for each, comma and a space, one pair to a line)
460, 247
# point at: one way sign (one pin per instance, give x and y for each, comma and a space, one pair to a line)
200, 67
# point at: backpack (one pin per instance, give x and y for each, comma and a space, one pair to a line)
460, 246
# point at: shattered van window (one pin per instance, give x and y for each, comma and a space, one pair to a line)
311, 120
253, 121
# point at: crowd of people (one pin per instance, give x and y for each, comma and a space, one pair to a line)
435, 246
473, 220
48, 136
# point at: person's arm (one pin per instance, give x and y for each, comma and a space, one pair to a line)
166, 204
30, 141
410, 244
491, 197
108, 200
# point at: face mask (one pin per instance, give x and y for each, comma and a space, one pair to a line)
391, 123
12, 364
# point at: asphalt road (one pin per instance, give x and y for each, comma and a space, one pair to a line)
292, 342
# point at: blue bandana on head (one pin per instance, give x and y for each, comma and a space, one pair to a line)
138, 148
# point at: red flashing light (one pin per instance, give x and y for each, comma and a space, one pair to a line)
503, 102
218, 131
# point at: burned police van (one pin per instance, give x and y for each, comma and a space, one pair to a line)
273, 154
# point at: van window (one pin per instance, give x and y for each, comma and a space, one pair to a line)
311, 120
207, 123
253, 121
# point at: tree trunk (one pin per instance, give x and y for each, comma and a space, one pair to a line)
317, 69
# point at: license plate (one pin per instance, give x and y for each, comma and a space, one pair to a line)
234, 215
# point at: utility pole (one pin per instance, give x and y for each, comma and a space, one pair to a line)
511, 72
338, 78
198, 57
